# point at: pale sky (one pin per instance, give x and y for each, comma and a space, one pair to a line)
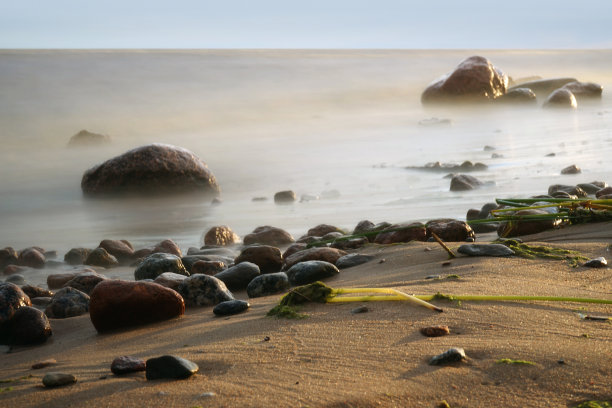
305, 24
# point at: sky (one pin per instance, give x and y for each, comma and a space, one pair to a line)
484, 24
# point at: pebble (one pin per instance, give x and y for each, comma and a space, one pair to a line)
231, 307
58, 379
171, 367
360, 309
451, 355
238, 276
127, 364
44, 363
209, 394
485, 250
435, 331
600, 262
350, 260
67, 302
268, 284
433, 277
307, 272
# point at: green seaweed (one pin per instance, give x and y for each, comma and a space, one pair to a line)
443, 404
594, 404
314, 292
574, 258
10, 380
286, 312
7, 389
453, 276
512, 361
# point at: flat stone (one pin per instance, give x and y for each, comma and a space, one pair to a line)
58, 379
485, 250
350, 260
268, 284
231, 307
127, 364
170, 367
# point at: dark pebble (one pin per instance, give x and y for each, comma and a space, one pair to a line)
360, 309
485, 250
58, 379
127, 364
350, 260
449, 356
171, 367
600, 262
231, 307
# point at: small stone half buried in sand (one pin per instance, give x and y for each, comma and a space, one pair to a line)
58, 379
451, 355
435, 331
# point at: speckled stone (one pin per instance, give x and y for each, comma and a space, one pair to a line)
268, 284
171, 367
101, 257
67, 302
203, 290
231, 307
238, 276
307, 272
154, 265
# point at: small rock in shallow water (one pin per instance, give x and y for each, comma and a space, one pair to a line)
573, 169
231, 307
171, 367
600, 262
435, 331
360, 309
58, 379
485, 250
16, 278
154, 265
127, 364
449, 356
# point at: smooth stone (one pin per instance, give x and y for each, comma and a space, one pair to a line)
599, 262
267, 235
360, 309
58, 379
561, 98
231, 307
395, 233
435, 331
28, 326
346, 244
543, 87
221, 235
16, 278
101, 257
451, 355
238, 276
77, 256
268, 284
322, 229
307, 272
464, 182
168, 246
32, 257
573, 169
170, 367
572, 190
285, 197
369, 228
11, 299
127, 364
330, 255
67, 302
190, 260
267, 258
204, 290
85, 282
584, 90
154, 265
44, 363
350, 260
41, 302
450, 230
518, 95
8, 256
208, 267
485, 250
589, 188
170, 279
58, 280
527, 227
604, 192
122, 250
117, 304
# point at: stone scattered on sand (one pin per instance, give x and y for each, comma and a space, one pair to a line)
168, 246
27, 326
127, 364
238, 276
58, 379
464, 182
350, 260
86, 138
285, 197
122, 250
518, 228
474, 79
267, 235
170, 280
77, 256
44, 364
393, 234
360, 309
85, 282
153, 169
8, 256
485, 250
450, 230
268, 284
204, 290
306, 272
435, 331
584, 90
231, 307
573, 169
101, 257
572, 190
119, 304
451, 355
67, 302
32, 257
154, 265
11, 299
170, 367
599, 262
561, 98
326, 254
208, 267
35, 291
267, 258
221, 235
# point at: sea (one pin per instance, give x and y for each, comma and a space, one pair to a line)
338, 127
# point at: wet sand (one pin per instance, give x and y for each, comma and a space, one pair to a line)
335, 358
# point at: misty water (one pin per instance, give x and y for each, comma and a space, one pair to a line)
339, 126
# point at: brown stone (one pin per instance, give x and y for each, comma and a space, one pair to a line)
28, 326
77, 256
584, 90
153, 169
100, 257
142, 253
208, 267
326, 254
13, 269
120, 249
11, 299
369, 228
268, 235
87, 138
464, 182
435, 331
517, 228
474, 79
58, 280
415, 231
127, 364
32, 257
561, 98
603, 192
267, 257
85, 282
221, 235
322, 229
116, 304
573, 169
297, 247
285, 197
8, 256
168, 246
35, 291
450, 230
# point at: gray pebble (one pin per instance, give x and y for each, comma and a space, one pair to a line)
360, 309
58, 379
485, 250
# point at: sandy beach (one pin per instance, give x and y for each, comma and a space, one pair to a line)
335, 358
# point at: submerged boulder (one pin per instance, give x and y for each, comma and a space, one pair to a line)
154, 169
561, 98
87, 138
584, 90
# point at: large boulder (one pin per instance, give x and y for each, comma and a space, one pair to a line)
150, 170
118, 304
268, 258
474, 79
154, 265
28, 326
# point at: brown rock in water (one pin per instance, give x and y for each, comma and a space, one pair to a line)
518, 95
221, 235
32, 257
11, 299
8, 256
168, 246
297, 247
268, 235
154, 169
208, 267
543, 87
603, 192
120, 249
573, 169
463, 182
474, 79
435, 331
561, 98
584, 90
142, 253
100, 257
77, 256
116, 304
285, 197
85, 282
35, 291
450, 230
330, 255
86, 138
518, 228
170, 280
14, 269
415, 231
322, 229
267, 257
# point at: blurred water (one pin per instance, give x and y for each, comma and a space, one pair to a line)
265, 121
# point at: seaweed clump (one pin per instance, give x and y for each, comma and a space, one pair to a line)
516, 362
288, 306
574, 258
594, 404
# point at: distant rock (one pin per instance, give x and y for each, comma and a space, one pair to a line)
267, 258
393, 234
32, 257
268, 235
463, 182
85, 138
330, 255
120, 249
573, 169
543, 87
268, 284
153, 169
204, 290
101, 257
67, 302
322, 229
451, 167
474, 79
170, 367
485, 250
589, 188
285, 197
221, 235
584, 90
154, 265
561, 98
306, 272
77, 256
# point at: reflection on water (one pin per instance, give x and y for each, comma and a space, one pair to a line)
266, 121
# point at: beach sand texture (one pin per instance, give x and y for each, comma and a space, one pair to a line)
335, 358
